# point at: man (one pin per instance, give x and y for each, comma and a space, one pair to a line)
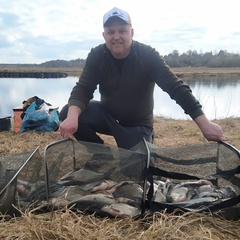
126, 72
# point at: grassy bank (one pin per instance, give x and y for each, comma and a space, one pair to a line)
168, 133
64, 224
184, 73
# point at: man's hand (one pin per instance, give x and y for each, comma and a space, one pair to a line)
70, 125
211, 131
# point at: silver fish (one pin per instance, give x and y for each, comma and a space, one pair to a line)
180, 194
90, 186
177, 194
31, 191
104, 185
226, 192
164, 186
92, 202
205, 189
198, 204
159, 196
121, 210
69, 192
63, 196
209, 194
195, 183
81, 176
187, 190
131, 191
125, 200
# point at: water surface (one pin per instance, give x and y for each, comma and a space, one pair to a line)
220, 99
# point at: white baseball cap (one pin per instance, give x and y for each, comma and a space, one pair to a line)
116, 12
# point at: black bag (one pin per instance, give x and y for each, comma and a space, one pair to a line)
5, 124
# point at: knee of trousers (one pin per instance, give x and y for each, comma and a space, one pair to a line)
63, 113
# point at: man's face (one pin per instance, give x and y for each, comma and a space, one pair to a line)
118, 37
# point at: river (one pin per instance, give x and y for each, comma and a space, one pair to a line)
220, 99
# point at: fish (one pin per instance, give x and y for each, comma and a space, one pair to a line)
180, 194
63, 196
82, 176
125, 200
192, 195
226, 192
159, 196
92, 203
160, 189
197, 204
30, 191
90, 186
205, 189
197, 183
121, 210
104, 185
129, 190
185, 191
69, 192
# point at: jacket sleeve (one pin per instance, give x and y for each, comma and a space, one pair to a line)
83, 91
163, 76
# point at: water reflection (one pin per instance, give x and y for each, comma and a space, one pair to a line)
220, 99
15, 90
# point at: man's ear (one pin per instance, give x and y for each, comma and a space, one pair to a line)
103, 34
132, 32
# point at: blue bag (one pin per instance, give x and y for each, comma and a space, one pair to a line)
39, 120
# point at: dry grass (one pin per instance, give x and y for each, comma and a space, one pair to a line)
70, 225
168, 133
66, 224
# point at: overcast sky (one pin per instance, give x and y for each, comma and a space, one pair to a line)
42, 30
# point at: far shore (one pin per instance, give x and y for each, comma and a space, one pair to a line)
186, 73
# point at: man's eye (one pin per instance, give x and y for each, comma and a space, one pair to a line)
122, 31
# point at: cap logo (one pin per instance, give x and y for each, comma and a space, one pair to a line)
115, 12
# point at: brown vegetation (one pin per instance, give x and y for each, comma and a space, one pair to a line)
68, 225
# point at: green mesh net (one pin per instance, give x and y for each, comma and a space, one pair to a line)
110, 181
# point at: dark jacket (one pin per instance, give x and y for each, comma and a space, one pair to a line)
127, 90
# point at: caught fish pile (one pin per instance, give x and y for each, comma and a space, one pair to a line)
93, 192
192, 195
87, 191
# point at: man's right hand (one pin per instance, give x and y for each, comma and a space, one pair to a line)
70, 125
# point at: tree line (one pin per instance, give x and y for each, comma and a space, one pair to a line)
221, 59
174, 59
64, 63
208, 59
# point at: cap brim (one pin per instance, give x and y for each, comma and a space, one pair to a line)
114, 19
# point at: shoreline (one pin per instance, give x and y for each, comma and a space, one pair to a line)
186, 73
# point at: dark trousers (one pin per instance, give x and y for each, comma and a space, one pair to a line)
95, 119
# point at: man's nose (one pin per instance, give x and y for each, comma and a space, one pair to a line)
116, 35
